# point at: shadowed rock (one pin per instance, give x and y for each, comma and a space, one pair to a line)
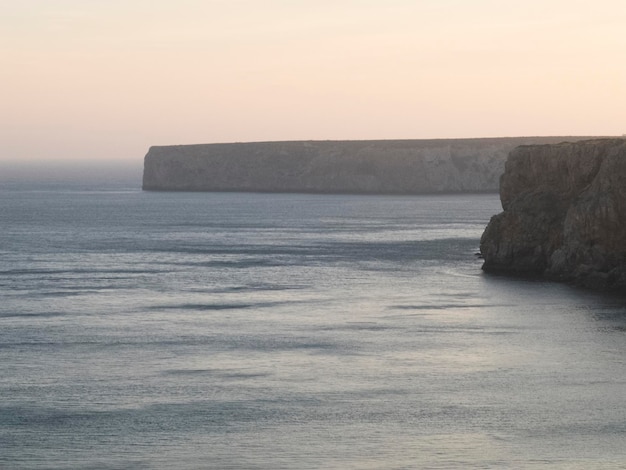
564, 214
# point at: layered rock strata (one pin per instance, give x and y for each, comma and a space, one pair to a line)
564, 214
383, 166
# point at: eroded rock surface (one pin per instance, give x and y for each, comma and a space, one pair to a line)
564, 214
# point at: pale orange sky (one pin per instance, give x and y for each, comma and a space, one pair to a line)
105, 79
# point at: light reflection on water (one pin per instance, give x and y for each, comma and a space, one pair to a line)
148, 330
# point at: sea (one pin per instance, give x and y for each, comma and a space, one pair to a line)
161, 330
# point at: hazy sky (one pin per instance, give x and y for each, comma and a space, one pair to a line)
95, 79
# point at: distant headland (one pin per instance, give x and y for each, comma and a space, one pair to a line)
359, 166
564, 214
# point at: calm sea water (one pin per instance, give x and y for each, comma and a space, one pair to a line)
268, 331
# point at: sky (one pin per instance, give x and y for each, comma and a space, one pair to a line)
105, 79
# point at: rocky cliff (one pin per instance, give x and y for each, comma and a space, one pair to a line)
383, 166
564, 214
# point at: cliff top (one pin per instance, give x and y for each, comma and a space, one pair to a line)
565, 138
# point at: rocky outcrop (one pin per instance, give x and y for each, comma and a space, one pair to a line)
383, 166
564, 214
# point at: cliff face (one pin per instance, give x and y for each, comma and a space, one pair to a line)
386, 166
564, 214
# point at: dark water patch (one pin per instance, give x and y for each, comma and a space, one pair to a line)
258, 260
265, 287
438, 306
458, 295
401, 251
41, 344
616, 313
242, 264
242, 375
31, 315
222, 342
269, 343
40, 295
206, 417
612, 329
215, 306
435, 250
216, 373
62, 293
42, 418
241, 250
190, 372
612, 429
610, 318
250, 288
226, 416
463, 330
359, 326
265, 343
45, 272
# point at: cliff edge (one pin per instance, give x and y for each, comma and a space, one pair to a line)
367, 166
564, 214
